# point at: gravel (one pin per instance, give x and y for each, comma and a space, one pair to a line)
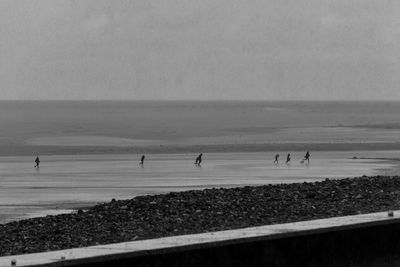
198, 211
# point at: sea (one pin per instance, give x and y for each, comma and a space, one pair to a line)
90, 150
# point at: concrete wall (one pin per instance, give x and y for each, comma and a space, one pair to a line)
362, 240
365, 246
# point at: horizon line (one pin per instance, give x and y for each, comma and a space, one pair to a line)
192, 100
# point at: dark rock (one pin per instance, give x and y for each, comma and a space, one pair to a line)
198, 211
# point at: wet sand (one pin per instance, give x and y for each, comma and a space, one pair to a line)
90, 150
198, 211
67, 182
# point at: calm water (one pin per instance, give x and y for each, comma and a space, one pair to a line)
49, 127
80, 145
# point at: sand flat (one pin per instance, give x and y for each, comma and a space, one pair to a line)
89, 140
64, 133
67, 181
250, 135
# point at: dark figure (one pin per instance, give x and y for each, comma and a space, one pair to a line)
276, 159
142, 160
37, 162
288, 158
306, 157
198, 160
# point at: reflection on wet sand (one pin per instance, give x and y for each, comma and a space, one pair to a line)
68, 181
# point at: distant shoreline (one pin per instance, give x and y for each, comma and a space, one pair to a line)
29, 150
198, 101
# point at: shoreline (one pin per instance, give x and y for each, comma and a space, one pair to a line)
196, 211
29, 150
64, 181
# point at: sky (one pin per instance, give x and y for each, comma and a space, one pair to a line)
200, 50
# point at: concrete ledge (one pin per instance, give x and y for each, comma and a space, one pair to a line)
350, 238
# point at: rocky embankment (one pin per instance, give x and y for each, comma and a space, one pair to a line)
198, 211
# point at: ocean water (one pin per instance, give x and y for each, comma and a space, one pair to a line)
29, 127
90, 150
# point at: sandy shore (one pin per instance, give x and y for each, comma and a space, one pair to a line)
68, 181
198, 211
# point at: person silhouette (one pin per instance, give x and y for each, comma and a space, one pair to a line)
198, 160
288, 158
142, 160
306, 157
37, 162
276, 159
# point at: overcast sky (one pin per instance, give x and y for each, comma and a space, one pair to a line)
200, 49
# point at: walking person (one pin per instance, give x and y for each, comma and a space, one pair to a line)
142, 160
276, 159
198, 160
37, 162
306, 157
288, 158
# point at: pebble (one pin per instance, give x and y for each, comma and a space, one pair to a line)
197, 211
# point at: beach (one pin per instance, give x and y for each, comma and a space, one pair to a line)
90, 150
132, 120
197, 211
90, 173
65, 183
